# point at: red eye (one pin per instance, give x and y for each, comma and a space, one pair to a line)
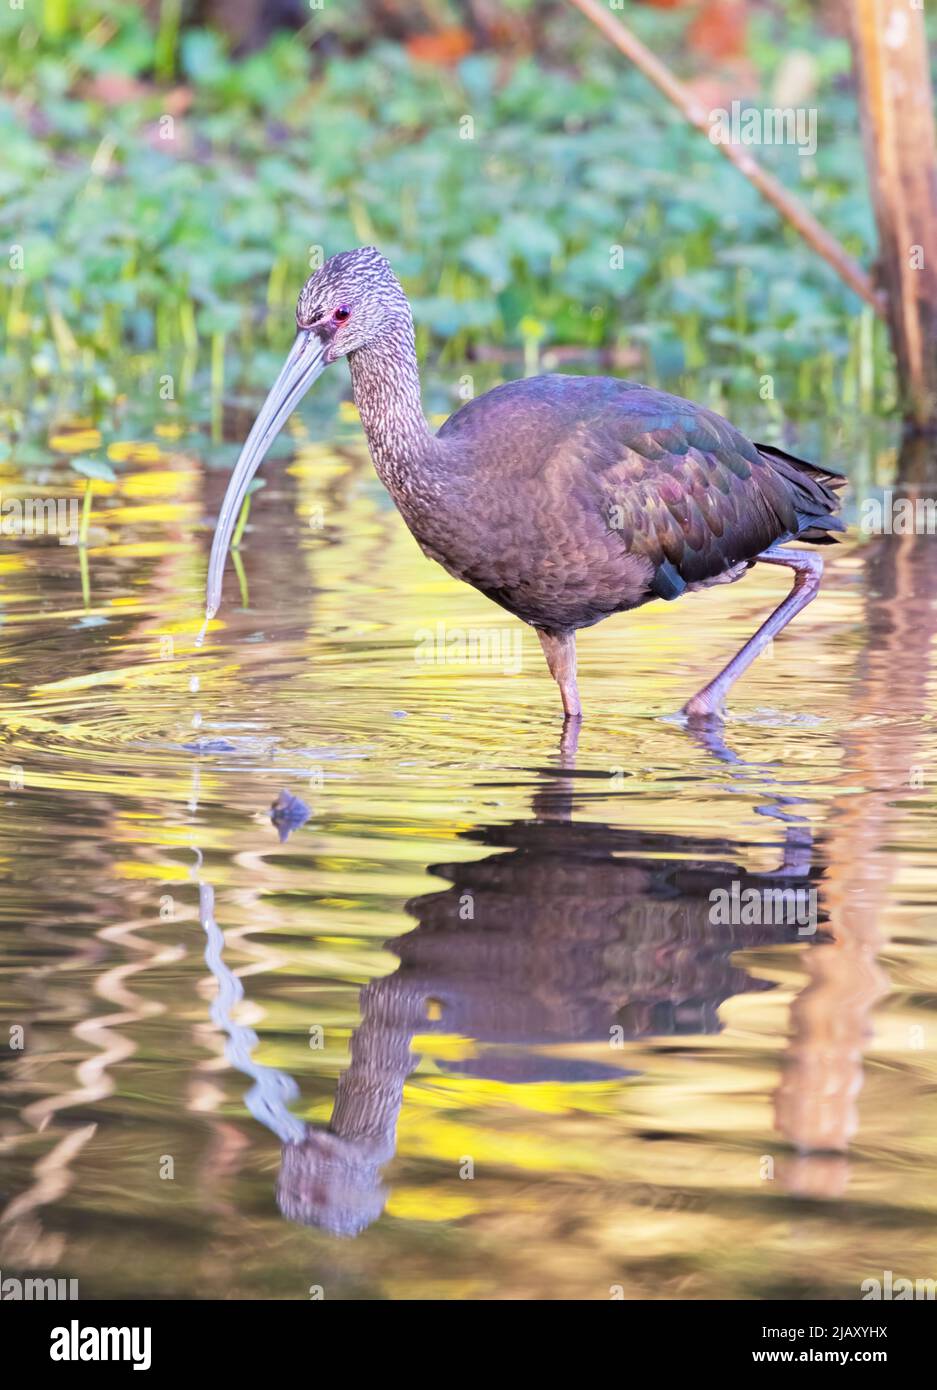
340, 315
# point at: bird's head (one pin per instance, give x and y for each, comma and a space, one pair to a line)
353, 300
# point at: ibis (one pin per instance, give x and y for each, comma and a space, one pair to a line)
564, 499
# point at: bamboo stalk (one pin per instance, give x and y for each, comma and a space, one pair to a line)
790, 208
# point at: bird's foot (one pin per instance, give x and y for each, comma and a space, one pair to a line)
572, 709
705, 708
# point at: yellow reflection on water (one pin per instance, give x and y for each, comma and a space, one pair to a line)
470, 1029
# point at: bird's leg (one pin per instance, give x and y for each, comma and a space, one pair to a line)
559, 648
808, 567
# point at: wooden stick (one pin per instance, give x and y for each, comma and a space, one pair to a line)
768, 186
891, 57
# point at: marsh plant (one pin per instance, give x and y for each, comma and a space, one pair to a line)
162, 200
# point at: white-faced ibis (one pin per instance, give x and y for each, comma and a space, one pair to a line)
563, 498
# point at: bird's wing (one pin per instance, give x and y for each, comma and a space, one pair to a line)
683, 488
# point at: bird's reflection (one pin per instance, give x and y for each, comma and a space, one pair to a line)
570, 935
567, 933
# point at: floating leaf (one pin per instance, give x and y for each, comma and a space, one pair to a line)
94, 468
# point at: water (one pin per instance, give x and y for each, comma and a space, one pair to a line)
470, 1029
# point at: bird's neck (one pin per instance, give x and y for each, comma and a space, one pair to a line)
385, 380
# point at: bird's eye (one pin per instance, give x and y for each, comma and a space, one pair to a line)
340, 315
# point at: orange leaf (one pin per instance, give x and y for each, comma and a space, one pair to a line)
443, 48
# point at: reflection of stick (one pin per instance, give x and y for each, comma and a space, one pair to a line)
768, 186
53, 1176
815, 1106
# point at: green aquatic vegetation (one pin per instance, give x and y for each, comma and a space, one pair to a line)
89, 470
161, 241
245, 512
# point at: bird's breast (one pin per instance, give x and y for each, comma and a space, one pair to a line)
552, 567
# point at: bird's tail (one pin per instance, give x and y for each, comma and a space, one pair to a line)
813, 492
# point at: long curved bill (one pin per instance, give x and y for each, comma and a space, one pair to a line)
305, 362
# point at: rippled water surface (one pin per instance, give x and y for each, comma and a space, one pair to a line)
470, 1030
